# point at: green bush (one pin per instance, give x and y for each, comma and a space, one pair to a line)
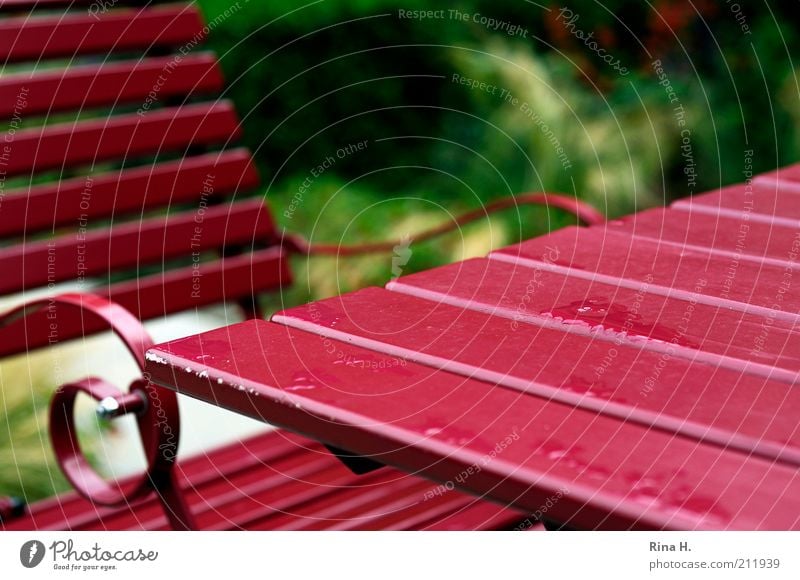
312, 79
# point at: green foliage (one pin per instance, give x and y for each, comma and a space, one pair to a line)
310, 79
313, 78
29, 468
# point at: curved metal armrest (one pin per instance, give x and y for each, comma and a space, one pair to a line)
156, 410
124, 324
585, 212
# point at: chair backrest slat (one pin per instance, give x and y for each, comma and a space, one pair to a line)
118, 164
200, 285
133, 245
158, 295
72, 35
90, 6
110, 84
88, 142
129, 191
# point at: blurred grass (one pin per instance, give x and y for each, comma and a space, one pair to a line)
343, 213
29, 469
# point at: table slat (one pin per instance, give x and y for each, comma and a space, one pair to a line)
733, 239
690, 274
623, 316
752, 414
609, 474
764, 201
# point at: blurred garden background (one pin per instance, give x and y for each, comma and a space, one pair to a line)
376, 119
312, 78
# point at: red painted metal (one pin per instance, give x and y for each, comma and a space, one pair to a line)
157, 413
159, 427
85, 215
642, 372
69, 35
276, 481
567, 367
786, 175
762, 201
740, 237
159, 295
127, 192
584, 212
89, 307
110, 83
135, 244
124, 136
84, 211
689, 273
204, 283
609, 473
27, 5
619, 316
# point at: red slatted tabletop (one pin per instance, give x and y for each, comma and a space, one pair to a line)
639, 374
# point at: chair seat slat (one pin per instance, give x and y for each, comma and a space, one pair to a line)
696, 275
400, 417
265, 472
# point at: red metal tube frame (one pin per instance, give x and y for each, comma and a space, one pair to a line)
156, 409
585, 212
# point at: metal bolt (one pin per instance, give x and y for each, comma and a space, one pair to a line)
112, 407
108, 408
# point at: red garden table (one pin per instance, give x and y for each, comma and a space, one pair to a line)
639, 374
